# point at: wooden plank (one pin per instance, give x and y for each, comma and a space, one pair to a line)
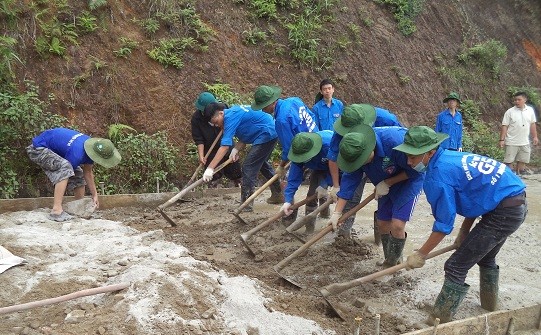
526, 318
109, 201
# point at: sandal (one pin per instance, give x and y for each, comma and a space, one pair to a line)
60, 217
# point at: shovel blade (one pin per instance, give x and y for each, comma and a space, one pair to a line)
167, 218
336, 309
235, 214
244, 240
290, 280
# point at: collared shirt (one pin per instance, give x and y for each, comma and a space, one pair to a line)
518, 122
292, 117
452, 126
326, 115
319, 163
466, 184
249, 126
385, 164
67, 143
385, 118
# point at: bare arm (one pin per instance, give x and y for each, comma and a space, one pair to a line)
433, 240
88, 175
533, 133
503, 133
201, 153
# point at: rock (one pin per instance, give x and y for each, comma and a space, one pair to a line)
208, 313
401, 328
144, 254
86, 306
252, 330
34, 324
75, 316
359, 303
82, 207
122, 262
17, 330
101, 331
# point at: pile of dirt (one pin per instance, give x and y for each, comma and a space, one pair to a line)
198, 278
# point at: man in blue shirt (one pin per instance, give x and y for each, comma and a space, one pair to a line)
469, 185
291, 116
449, 121
308, 150
250, 127
369, 151
67, 157
328, 109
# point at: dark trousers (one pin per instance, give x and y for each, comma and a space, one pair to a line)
255, 161
484, 242
316, 176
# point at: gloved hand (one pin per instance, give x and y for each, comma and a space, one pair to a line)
382, 189
460, 237
234, 155
332, 194
334, 220
321, 192
207, 175
281, 171
415, 260
286, 208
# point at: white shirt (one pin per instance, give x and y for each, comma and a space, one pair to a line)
518, 122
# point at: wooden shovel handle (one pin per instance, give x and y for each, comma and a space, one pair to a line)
301, 221
276, 216
191, 187
341, 287
259, 191
200, 166
322, 233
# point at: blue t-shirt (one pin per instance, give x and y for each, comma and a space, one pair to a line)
446, 123
292, 117
67, 143
325, 115
385, 164
466, 184
249, 126
385, 118
319, 163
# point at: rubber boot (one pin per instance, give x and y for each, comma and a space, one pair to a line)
245, 194
345, 228
394, 251
385, 244
326, 213
310, 225
288, 220
488, 288
447, 302
276, 194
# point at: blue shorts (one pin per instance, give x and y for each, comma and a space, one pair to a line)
388, 211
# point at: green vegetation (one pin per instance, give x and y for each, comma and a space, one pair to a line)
489, 55
7, 56
127, 45
405, 12
479, 137
95, 4
534, 97
254, 36
169, 52
226, 94
86, 22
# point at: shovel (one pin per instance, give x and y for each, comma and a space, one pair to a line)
254, 195
246, 236
316, 238
200, 166
302, 221
182, 193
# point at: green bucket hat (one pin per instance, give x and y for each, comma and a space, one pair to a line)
304, 147
102, 151
354, 115
452, 95
264, 96
355, 148
203, 100
419, 140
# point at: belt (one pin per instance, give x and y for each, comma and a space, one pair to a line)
513, 201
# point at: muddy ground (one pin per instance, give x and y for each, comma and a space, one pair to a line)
198, 278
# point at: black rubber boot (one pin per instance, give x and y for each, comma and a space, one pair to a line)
310, 225
447, 302
488, 288
276, 194
385, 244
245, 194
346, 228
394, 251
326, 213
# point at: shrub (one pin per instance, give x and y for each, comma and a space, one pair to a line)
479, 137
489, 55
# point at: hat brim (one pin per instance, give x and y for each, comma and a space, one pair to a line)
276, 92
318, 143
105, 162
447, 99
350, 166
411, 150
